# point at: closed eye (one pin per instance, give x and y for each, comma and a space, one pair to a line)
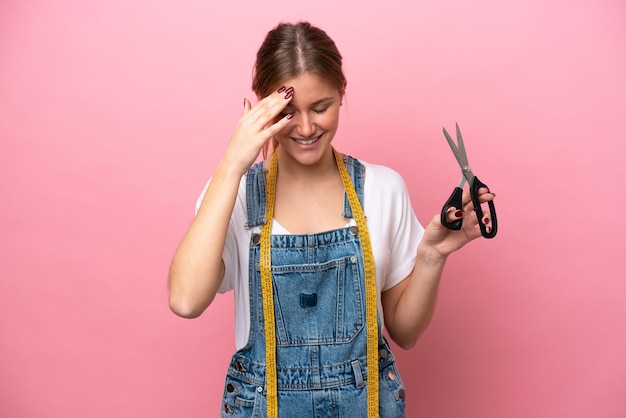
318, 111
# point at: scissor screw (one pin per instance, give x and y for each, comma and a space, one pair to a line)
466, 168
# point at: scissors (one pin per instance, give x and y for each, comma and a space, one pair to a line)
455, 199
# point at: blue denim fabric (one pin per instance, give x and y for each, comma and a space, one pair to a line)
319, 300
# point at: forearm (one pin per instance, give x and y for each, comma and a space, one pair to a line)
197, 270
415, 299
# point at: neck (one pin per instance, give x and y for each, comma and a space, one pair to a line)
289, 167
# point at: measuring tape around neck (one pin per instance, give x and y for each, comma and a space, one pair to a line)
268, 291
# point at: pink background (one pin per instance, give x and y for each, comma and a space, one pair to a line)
113, 115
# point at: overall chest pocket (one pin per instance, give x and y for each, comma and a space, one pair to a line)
318, 303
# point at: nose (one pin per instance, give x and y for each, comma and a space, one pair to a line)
305, 125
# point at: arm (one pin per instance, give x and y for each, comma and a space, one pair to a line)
197, 269
409, 306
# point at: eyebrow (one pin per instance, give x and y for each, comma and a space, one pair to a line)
316, 103
322, 101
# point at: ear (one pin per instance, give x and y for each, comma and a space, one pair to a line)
343, 92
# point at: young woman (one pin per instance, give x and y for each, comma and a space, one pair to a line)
319, 248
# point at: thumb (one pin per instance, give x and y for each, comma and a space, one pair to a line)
246, 105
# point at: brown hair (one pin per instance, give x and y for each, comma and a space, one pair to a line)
293, 49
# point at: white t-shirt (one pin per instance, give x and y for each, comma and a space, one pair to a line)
394, 232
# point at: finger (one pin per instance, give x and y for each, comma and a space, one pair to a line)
470, 226
486, 220
454, 214
483, 197
269, 107
274, 128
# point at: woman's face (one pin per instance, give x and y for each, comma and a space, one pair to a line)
315, 107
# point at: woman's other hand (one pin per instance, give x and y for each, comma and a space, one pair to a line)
445, 241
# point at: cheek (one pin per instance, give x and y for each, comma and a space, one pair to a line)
330, 120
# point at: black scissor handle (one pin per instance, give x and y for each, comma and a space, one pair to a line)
477, 184
455, 201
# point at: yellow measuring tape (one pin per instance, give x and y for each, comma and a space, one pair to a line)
268, 291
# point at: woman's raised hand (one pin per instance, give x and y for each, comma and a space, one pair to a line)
257, 125
445, 241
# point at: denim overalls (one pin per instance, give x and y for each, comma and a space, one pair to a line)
319, 303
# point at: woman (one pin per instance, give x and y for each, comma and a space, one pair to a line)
312, 277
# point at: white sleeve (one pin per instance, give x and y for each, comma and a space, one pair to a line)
395, 230
405, 235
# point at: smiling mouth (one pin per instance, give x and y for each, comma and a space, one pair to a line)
307, 141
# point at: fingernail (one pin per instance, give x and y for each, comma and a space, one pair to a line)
288, 93
486, 221
289, 115
488, 229
458, 213
280, 90
244, 102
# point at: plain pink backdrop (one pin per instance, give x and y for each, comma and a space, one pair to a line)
114, 113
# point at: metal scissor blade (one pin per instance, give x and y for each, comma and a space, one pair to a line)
458, 151
460, 143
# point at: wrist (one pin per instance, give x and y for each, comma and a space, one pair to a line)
227, 170
429, 255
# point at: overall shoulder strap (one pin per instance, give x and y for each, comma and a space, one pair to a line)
356, 170
255, 195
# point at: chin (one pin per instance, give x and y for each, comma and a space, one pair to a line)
307, 156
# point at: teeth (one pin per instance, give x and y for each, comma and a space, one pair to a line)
307, 142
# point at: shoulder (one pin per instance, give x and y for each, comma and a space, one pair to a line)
383, 179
